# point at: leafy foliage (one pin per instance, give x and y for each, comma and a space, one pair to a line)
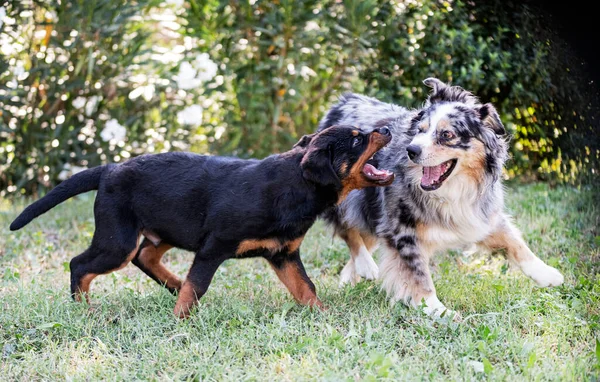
90, 82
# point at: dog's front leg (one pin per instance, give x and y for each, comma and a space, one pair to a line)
196, 284
508, 237
291, 272
361, 263
406, 276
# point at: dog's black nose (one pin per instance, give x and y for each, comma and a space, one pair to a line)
413, 151
383, 131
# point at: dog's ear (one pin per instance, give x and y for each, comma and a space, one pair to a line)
304, 141
317, 167
490, 118
435, 84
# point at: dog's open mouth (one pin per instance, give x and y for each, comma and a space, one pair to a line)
375, 175
434, 176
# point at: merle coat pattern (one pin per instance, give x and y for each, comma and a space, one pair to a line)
447, 157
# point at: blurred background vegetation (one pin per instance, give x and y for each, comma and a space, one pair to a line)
86, 82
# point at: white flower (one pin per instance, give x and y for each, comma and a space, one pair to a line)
177, 3
91, 104
207, 69
186, 78
191, 75
113, 131
145, 91
69, 170
191, 115
312, 26
78, 102
306, 72
2, 16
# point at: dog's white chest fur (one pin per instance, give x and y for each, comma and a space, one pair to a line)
459, 225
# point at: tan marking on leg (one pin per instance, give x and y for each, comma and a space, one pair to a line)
84, 287
272, 245
293, 245
290, 276
370, 241
509, 237
151, 256
186, 300
86, 280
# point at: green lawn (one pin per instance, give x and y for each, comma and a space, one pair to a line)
248, 327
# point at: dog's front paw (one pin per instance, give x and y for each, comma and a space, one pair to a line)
349, 275
365, 265
543, 274
434, 308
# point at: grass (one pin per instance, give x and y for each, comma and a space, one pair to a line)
248, 327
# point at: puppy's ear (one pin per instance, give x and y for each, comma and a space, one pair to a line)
490, 118
317, 167
435, 84
304, 141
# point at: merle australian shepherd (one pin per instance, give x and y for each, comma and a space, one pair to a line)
447, 158
217, 207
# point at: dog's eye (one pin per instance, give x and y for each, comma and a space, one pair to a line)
447, 135
356, 141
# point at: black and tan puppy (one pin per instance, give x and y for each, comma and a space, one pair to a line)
217, 207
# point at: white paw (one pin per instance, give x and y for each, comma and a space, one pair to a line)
365, 265
348, 274
543, 274
433, 307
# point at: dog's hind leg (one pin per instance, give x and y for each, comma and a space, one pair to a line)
148, 260
508, 237
100, 258
291, 272
361, 263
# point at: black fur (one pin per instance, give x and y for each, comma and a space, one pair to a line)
217, 207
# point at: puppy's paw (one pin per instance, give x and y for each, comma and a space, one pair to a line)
366, 266
349, 275
543, 274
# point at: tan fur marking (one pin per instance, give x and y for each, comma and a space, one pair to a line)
290, 276
355, 179
443, 124
86, 280
355, 132
293, 245
424, 126
343, 167
516, 249
186, 300
84, 287
150, 257
272, 245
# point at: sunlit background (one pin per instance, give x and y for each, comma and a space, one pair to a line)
86, 82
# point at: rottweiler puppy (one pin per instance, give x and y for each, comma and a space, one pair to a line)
217, 207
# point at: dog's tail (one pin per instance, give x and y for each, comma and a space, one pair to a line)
79, 183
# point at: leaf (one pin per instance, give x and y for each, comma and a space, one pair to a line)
49, 325
487, 366
598, 351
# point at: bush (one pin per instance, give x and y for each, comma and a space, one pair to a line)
89, 82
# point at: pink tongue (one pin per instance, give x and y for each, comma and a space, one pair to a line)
432, 174
371, 171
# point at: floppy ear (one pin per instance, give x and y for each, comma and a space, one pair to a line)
304, 141
490, 118
317, 167
435, 84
